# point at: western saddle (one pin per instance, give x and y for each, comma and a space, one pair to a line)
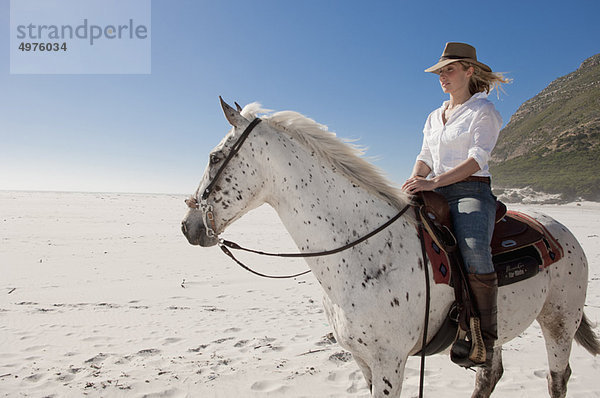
520, 247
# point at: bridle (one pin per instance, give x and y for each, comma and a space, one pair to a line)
207, 210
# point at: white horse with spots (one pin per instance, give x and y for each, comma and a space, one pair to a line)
326, 196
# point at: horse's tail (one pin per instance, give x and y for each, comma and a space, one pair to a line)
586, 337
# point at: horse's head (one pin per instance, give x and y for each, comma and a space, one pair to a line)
231, 184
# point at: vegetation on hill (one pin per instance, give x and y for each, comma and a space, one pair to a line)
552, 142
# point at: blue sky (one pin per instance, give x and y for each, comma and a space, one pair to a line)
355, 66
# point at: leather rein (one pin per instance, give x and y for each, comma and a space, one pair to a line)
225, 245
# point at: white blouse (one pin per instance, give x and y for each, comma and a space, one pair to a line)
470, 132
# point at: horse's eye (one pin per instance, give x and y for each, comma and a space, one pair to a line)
214, 159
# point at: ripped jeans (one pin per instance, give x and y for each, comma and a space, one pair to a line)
473, 211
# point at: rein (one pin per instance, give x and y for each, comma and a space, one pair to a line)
427, 305
225, 245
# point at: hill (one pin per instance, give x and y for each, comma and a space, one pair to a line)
552, 142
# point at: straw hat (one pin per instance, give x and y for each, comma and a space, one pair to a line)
457, 52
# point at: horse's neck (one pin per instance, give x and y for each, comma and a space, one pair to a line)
320, 208
324, 210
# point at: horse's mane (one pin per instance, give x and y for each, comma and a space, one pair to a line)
342, 154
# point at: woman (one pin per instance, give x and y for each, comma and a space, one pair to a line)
458, 139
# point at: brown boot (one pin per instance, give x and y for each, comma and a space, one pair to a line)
485, 293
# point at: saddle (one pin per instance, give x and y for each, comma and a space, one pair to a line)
520, 247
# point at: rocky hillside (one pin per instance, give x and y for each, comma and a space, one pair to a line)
552, 142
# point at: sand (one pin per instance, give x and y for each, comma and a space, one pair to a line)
102, 296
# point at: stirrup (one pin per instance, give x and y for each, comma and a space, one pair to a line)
471, 352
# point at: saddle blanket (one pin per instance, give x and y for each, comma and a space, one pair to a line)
521, 247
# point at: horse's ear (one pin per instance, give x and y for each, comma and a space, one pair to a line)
238, 107
233, 117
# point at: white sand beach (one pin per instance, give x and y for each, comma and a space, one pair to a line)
102, 296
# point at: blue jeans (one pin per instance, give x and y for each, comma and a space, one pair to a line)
473, 211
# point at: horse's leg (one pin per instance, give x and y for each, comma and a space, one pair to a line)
561, 314
557, 382
559, 320
559, 339
366, 371
362, 364
388, 375
487, 378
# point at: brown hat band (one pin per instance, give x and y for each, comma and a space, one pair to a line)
445, 57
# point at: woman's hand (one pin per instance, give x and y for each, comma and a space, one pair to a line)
418, 184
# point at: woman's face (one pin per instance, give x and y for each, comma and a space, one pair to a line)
454, 78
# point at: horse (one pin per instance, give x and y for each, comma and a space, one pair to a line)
326, 195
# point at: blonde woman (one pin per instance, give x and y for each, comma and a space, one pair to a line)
457, 143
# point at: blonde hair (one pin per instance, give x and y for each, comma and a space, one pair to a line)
482, 80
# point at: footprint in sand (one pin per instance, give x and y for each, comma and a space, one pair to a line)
107, 305
171, 340
342, 356
240, 343
34, 377
35, 347
356, 375
64, 377
200, 348
266, 343
96, 359
92, 339
148, 352
268, 386
75, 370
540, 373
220, 341
172, 392
124, 360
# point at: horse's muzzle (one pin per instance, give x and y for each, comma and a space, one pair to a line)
195, 233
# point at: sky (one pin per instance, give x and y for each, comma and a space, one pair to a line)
355, 66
